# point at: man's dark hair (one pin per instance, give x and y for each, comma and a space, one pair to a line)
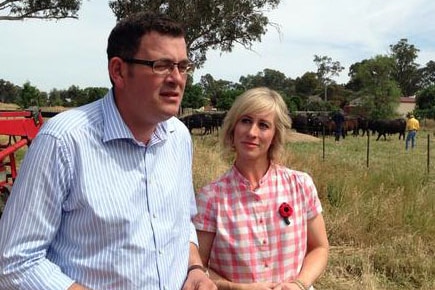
124, 40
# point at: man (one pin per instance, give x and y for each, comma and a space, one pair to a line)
104, 198
338, 119
412, 126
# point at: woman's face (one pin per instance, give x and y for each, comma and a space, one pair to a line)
253, 135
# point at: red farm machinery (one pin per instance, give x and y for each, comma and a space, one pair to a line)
17, 129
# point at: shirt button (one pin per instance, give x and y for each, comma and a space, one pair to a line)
154, 215
264, 242
261, 221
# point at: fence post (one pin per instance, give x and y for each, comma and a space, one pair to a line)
428, 153
323, 138
368, 147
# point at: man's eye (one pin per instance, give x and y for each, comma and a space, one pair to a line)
162, 65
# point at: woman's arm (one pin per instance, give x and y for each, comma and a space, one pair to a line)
317, 252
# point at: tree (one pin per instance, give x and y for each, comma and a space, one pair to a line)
43, 9
380, 93
270, 78
227, 98
55, 98
307, 85
217, 24
91, 94
427, 75
326, 69
405, 71
193, 97
29, 96
8, 92
213, 89
426, 98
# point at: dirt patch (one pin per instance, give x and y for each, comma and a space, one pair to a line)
293, 136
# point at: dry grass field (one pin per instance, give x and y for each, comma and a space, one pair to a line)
378, 200
380, 218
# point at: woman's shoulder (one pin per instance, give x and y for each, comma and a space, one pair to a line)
290, 173
219, 185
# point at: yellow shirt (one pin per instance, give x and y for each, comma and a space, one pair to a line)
412, 124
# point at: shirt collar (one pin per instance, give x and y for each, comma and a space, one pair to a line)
115, 127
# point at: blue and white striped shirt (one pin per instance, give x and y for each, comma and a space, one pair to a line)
93, 205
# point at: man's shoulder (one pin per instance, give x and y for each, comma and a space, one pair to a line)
83, 117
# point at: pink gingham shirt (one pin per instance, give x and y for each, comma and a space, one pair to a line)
252, 242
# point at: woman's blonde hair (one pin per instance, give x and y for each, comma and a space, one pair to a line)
257, 100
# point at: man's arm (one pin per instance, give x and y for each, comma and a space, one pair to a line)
197, 279
30, 222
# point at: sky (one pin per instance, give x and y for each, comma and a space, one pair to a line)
59, 54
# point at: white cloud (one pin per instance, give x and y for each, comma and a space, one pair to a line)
59, 54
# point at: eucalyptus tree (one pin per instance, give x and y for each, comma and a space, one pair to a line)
215, 24
406, 70
43, 9
326, 70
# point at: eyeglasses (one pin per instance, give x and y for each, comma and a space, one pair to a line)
165, 66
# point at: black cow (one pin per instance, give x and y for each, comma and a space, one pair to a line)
300, 123
384, 127
198, 121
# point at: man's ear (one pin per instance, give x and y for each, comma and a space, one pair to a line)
117, 71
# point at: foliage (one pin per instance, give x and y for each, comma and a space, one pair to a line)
326, 69
425, 103
227, 99
293, 102
55, 98
45, 9
217, 24
426, 98
29, 96
380, 93
427, 75
91, 94
270, 78
308, 84
214, 89
405, 71
8, 91
193, 97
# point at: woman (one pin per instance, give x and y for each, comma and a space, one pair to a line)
260, 224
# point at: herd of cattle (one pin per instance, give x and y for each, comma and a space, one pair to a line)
316, 124
310, 123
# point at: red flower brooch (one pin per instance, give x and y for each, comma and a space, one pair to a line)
285, 211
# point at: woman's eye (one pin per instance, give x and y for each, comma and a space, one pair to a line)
245, 121
264, 126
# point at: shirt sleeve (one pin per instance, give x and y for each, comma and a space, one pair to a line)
314, 207
205, 220
31, 220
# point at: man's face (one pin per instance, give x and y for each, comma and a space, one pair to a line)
149, 98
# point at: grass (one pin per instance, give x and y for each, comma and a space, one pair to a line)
380, 217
